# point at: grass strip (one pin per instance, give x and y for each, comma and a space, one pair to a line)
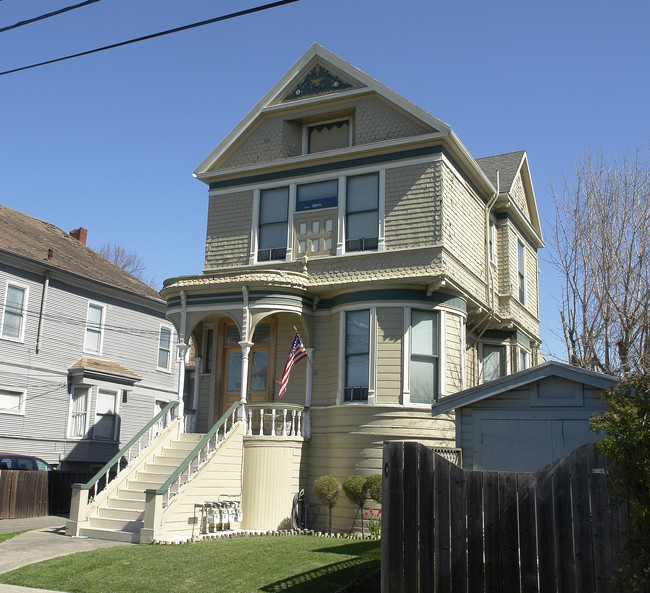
300, 564
5, 536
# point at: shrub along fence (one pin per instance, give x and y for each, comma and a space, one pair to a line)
449, 530
36, 493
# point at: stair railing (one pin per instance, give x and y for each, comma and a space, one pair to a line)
131, 450
274, 419
190, 466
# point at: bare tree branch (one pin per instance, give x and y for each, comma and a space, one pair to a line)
600, 243
129, 261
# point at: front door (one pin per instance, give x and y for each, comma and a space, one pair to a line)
261, 364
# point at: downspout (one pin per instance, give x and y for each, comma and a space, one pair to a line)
46, 285
488, 270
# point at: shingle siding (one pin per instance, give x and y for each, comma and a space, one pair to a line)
229, 229
413, 210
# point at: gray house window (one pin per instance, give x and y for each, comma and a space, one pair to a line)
362, 213
357, 355
13, 321
424, 356
164, 348
274, 211
94, 328
106, 419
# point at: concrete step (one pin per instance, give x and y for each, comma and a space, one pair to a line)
112, 535
121, 514
115, 524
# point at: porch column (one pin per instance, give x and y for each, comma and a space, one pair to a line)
308, 377
245, 351
195, 393
182, 349
308, 388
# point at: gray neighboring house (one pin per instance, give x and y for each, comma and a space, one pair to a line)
87, 356
524, 421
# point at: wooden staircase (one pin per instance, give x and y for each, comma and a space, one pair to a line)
121, 516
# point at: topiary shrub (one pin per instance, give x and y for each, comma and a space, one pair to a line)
355, 489
327, 489
373, 487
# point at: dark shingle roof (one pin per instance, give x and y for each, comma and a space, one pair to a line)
32, 238
508, 165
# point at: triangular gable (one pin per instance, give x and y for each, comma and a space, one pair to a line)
306, 74
514, 178
520, 379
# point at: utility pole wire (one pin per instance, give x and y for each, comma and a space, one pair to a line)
154, 35
47, 16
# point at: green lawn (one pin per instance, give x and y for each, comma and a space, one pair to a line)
296, 564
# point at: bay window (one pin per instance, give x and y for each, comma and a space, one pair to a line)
273, 224
424, 387
494, 362
362, 213
357, 355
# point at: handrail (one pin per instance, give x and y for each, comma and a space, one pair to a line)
126, 449
196, 453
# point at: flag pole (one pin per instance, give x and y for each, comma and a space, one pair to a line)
307, 355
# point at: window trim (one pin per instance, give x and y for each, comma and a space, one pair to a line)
306, 127
525, 352
168, 368
492, 239
23, 312
104, 308
22, 394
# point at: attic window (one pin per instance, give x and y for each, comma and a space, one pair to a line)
327, 136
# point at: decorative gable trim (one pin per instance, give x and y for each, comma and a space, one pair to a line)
318, 80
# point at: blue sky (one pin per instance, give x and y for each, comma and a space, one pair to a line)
109, 141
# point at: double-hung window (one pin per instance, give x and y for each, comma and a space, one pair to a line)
521, 271
94, 328
357, 355
13, 319
424, 356
12, 402
494, 362
362, 212
273, 224
106, 419
164, 348
78, 423
492, 239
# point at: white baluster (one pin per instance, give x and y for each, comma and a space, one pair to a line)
272, 422
261, 431
250, 421
299, 426
293, 423
284, 422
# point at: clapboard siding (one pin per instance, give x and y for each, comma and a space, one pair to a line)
347, 440
390, 332
130, 339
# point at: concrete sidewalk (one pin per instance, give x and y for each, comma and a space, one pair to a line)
46, 539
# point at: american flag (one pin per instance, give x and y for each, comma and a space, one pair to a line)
296, 354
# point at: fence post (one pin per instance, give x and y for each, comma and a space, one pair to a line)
392, 541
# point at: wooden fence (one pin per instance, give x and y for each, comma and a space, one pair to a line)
449, 530
36, 493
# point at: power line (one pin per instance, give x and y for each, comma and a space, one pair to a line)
47, 16
154, 35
